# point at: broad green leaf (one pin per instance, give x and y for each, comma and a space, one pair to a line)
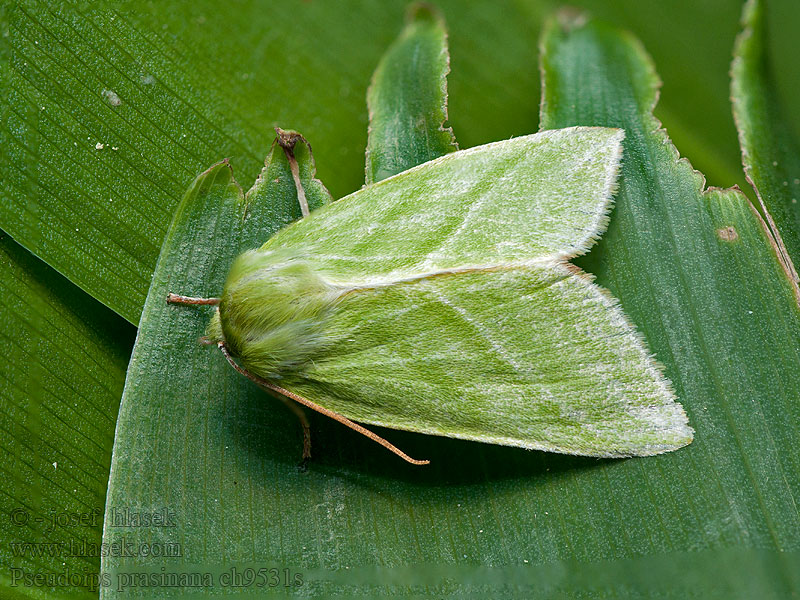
61, 377
185, 413
770, 148
178, 396
197, 82
695, 269
407, 99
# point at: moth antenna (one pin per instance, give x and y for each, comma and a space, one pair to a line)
320, 409
178, 299
287, 141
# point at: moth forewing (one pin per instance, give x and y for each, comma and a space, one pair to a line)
534, 357
514, 202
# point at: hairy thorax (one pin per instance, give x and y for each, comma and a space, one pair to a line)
272, 311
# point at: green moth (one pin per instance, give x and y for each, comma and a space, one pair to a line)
440, 301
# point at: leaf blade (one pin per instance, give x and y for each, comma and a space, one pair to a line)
181, 399
407, 99
647, 259
770, 150
60, 382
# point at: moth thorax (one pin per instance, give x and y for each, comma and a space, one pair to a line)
272, 312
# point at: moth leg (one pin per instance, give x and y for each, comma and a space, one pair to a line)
320, 409
178, 299
344, 421
301, 416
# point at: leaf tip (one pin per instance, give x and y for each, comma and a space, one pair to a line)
570, 18
424, 12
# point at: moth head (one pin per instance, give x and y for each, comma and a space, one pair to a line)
272, 311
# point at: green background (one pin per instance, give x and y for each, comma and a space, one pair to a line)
201, 81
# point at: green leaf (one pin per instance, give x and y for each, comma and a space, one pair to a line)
407, 99
178, 396
198, 83
185, 414
770, 149
63, 367
696, 271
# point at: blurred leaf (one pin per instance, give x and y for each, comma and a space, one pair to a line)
63, 367
770, 149
407, 99
176, 86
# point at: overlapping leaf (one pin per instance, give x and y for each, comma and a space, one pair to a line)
407, 100
190, 435
696, 271
770, 149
